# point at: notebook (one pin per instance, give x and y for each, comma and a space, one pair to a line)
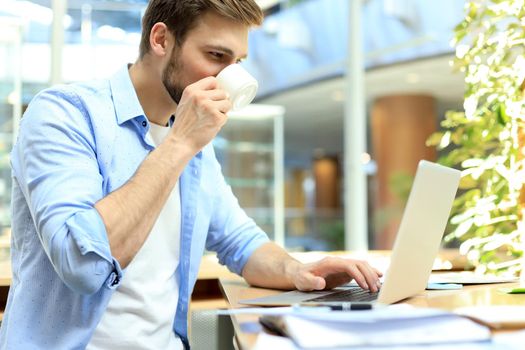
415, 248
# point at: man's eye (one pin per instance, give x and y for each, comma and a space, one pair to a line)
217, 55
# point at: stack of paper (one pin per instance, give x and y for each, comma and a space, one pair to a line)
500, 341
389, 326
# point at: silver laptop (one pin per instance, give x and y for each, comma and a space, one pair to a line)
416, 246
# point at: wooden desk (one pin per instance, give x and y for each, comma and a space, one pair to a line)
5, 273
236, 289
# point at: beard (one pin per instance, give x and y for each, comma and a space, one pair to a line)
173, 72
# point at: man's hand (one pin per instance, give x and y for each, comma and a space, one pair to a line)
270, 266
331, 272
201, 113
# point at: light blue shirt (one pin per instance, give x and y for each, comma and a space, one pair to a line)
78, 143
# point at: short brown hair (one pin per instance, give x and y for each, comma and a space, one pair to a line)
180, 16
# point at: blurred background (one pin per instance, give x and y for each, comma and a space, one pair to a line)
383, 79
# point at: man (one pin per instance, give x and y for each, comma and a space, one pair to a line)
117, 192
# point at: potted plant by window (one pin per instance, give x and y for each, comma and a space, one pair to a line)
487, 140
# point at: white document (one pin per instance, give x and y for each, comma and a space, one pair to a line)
501, 342
412, 326
509, 340
496, 316
266, 341
467, 277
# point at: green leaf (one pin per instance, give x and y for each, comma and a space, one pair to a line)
503, 118
434, 139
445, 140
467, 182
463, 228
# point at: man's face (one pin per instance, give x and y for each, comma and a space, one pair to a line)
213, 44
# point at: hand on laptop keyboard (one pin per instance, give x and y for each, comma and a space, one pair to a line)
332, 272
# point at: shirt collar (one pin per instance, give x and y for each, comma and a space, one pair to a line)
127, 105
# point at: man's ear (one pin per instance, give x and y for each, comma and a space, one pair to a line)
159, 37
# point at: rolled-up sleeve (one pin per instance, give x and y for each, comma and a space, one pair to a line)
55, 164
233, 235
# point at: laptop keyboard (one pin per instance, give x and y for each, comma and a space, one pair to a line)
350, 294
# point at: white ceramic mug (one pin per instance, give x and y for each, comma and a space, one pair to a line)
241, 86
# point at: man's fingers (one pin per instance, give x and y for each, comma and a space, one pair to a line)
331, 265
223, 106
364, 274
218, 109
217, 95
370, 275
213, 98
308, 282
208, 83
318, 283
331, 269
353, 271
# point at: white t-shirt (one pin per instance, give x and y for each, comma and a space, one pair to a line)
141, 311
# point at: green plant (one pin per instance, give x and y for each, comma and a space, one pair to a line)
487, 139
333, 233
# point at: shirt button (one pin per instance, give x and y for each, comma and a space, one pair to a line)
195, 172
115, 281
144, 123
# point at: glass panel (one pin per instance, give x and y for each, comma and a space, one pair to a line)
100, 38
247, 150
